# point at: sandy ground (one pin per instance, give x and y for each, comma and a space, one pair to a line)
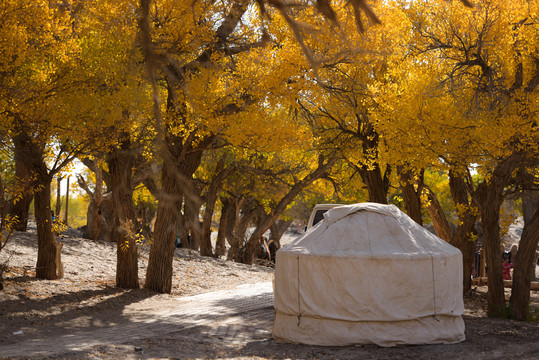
88, 289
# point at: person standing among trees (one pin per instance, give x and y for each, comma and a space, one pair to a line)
507, 265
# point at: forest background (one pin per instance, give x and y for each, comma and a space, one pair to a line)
250, 113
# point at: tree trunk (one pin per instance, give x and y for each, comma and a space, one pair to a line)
49, 264
95, 222
411, 192
159, 273
489, 196
438, 217
21, 207
220, 246
277, 231
524, 265
180, 161
530, 203
191, 210
120, 162
205, 242
182, 229
58, 197
221, 173
248, 211
462, 237
490, 220
377, 186
67, 204
232, 223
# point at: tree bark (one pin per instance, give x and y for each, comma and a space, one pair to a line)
411, 189
220, 246
490, 202
181, 158
58, 196
159, 273
462, 238
66, 219
205, 240
523, 267
120, 162
20, 207
180, 161
377, 185
489, 195
49, 264
191, 212
95, 222
245, 212
438, 217
277, 231
222, 173
530, 203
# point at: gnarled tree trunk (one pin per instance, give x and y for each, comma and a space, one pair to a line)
462, 237
120, 162
438, 217
226, 208
524, 267
377, 185
20, 207
211, 198
490, 200
191, 213
245, 212
277, 231
180, 163
95, 222
159, 273
31, 151
411, 187
49, 263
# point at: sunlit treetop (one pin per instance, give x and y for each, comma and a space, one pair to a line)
466, 89
37, 50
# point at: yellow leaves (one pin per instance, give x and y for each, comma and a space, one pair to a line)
463, 210
438, 99
31, 36
266, 129
58, 226
472, 237
124, 245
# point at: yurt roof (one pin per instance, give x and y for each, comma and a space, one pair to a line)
369, 230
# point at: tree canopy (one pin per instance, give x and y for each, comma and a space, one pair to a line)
245, 111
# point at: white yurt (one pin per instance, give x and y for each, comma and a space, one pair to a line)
368, 274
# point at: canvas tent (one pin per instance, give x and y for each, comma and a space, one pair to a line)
368, 274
